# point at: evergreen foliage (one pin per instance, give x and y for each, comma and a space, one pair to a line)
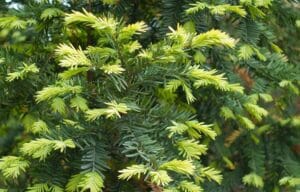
166, 95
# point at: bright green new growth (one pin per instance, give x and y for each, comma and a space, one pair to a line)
113, 110
53, 91
71, 57
111, 106
205, 78
191, 149
12, 166
183, 167
41, 148
22, 73
39, 127
51, 13
212, 174
216, 9
134, 170
254, 180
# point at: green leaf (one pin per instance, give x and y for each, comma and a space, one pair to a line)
73, 183
247, 123
79, 103
216, 9
112, 69
290, 181
110, 2
187, 186
173, 85
71, 57
40, 187
55, 188
12, 167
204, 78
72, 72
22, 72
227, 113
177, 128
132, 46
58, 105
212, 174
28, 120
213, 38
259, 54
191, 149
54, 91
254, 180
196, 7
62, 145
38, 149
180, 166
12, 22
257, 112
202, 128
181, 37
245, 52
132, 29
263, 3
188, 93
266, 97
160, 177
41, 148
92, 182
50, 13
114, 110
104, 24
133, 171
199, 58
39, 127
236, 9
94, 114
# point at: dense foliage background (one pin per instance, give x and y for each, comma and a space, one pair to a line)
149, 95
